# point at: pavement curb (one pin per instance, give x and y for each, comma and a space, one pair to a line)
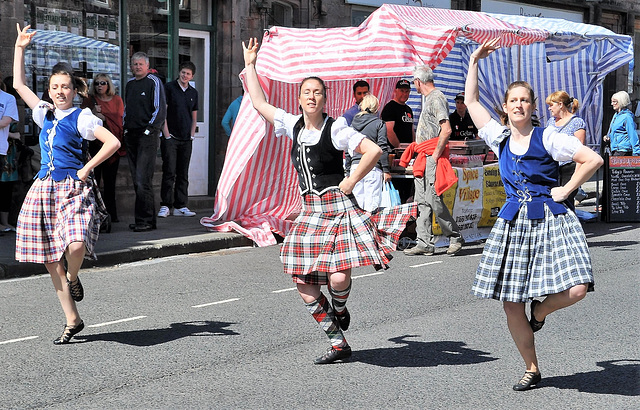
159, 249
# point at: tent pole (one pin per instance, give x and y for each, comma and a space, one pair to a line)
518, 76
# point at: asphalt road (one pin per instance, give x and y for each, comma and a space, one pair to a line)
227, 330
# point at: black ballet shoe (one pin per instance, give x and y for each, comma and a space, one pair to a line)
527, 381
344, 319
334, 354
68, 333
76, 289
535, 325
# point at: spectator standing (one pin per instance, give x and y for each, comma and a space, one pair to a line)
368, 191
462, 126
8, 156
179, 131
229, 118
622, 134
433, 132
563, 119
398, 116
145, 111
109, 107
360, 89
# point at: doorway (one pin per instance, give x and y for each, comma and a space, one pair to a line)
194, 46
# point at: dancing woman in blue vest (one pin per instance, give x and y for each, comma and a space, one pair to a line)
537, 247
59, 217
332, 234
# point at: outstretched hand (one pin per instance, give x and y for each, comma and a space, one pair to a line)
24, 37
486, 48
250, 51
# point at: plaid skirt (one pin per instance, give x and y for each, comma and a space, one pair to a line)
55, 214
526, 258
332, 234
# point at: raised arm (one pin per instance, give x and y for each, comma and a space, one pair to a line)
19, 77
258, 99
478, 113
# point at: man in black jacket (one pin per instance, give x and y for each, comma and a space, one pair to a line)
144, 114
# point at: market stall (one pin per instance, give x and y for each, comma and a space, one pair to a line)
258, 188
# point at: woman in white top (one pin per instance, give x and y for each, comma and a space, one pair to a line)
332, 234
536, 247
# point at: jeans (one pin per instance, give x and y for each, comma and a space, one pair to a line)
141, 152
430, 203
176, 155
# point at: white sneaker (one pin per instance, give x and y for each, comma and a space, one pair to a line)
163, 212
183, 212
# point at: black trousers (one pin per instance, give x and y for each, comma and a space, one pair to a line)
176, 156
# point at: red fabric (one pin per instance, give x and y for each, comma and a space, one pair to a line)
445, 175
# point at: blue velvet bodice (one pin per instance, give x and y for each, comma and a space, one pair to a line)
528, 179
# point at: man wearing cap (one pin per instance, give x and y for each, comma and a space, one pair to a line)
398, 116
462, 126
360, 89
433, 132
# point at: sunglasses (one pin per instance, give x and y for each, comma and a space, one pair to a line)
101, 83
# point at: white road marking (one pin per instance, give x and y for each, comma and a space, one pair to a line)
367, 274
46, 275
425, 264
117, 321
215, 303
283, 290
353, 277
620, 227
22, 339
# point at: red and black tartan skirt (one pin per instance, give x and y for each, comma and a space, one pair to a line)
55, 214
332, 234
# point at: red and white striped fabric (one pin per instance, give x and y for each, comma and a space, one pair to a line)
258, 187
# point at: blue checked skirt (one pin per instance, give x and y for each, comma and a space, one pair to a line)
332, 234
527, 258
55, 214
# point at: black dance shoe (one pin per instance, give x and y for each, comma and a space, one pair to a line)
527, 381
344, 319
76, 289
68, 333
535, 325
334, 354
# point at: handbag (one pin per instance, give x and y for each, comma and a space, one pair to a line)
390, 196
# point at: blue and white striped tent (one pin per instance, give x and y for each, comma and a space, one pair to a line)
574, 58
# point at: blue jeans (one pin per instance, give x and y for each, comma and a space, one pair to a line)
141, 152
176, 155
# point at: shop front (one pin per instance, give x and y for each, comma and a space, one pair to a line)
99, 36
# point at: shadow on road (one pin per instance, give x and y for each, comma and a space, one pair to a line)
421, 354
617, 377
151, 337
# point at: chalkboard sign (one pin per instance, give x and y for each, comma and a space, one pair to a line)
624, 189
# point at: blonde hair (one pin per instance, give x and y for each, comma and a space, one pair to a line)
563, 98
369, 104
111, 89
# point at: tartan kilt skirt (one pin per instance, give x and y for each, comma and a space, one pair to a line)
526, 258
332, 234
55, 214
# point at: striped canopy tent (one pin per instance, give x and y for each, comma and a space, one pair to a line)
575, 58
258, 187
